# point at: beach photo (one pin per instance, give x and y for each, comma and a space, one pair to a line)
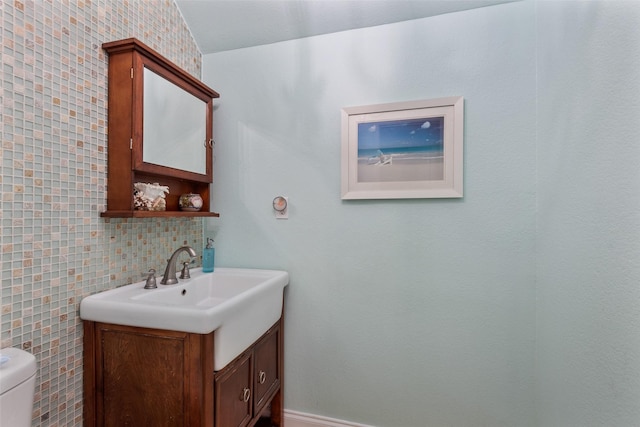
401, 150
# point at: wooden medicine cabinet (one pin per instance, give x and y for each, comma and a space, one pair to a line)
160, 131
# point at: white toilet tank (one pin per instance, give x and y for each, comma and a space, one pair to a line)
17, 386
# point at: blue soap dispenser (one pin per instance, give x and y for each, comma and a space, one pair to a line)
208, 256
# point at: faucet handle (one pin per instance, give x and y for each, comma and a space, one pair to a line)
151, 279
184, 274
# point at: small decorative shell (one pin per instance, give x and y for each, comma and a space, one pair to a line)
148, 197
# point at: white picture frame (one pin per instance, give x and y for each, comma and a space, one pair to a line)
403, 150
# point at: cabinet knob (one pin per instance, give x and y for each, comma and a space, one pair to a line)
246, 395
262, 377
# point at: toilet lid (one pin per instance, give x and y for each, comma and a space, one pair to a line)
17, 366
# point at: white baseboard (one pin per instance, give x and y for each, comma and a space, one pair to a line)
300, 419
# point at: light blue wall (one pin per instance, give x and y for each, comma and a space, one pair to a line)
400, 312
588, 363
423, 312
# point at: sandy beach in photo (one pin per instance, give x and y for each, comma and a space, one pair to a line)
401, 167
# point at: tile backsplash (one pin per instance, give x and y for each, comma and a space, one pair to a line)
55, 247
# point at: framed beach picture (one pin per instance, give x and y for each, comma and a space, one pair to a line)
403, 150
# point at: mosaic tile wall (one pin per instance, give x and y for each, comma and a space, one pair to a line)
55, 248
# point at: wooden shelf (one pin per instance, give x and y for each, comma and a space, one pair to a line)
157, 214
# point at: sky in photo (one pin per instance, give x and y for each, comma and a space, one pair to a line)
422, 132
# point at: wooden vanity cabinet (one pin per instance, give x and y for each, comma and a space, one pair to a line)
128, 59
148, 377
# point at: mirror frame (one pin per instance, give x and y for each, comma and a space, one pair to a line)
185, 82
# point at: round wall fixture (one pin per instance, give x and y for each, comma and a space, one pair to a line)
280, 204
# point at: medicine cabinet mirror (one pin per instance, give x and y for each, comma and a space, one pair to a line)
174, 131
172, 121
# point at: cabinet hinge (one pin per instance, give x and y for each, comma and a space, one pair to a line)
132, 72
131, 144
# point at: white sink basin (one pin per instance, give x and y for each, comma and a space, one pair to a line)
239, 304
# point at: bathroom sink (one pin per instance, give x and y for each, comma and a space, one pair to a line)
239, 304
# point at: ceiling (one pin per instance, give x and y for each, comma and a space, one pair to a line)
219, 25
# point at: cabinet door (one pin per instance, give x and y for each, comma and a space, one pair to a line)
142, 377
267, 368
233, 395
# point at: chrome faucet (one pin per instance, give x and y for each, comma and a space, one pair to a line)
169, 277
